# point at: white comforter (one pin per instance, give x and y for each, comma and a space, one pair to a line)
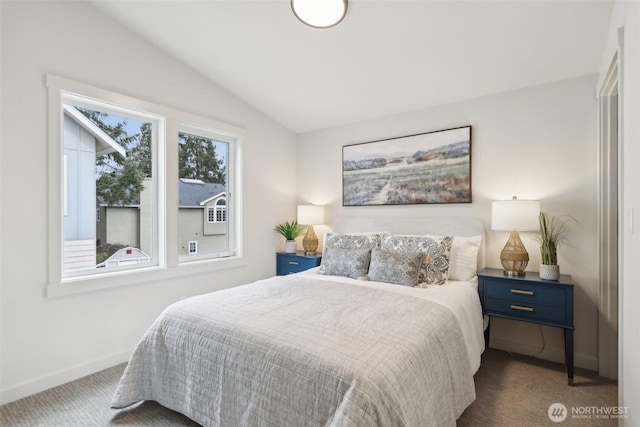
458, 296
312, 350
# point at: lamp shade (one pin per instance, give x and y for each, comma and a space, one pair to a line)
518, 215
310, 214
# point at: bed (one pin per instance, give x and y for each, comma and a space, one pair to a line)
316, 348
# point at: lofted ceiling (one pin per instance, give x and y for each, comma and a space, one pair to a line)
385, 58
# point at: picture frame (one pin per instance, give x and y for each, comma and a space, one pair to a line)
426, 168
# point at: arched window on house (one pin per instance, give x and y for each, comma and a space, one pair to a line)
221, 209
218, 212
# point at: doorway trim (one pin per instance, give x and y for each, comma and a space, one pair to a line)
609, 212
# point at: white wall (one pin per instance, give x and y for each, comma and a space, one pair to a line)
538, 143
45, 342
626, 15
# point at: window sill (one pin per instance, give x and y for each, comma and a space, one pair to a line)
141, 276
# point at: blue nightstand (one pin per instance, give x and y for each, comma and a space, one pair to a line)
530, 299
295, 263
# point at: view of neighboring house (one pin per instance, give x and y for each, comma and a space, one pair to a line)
126, 256
83, 142
202, 220
91, 223
121, 221
202, 217
118, 227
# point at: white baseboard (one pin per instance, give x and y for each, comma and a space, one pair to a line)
61, 377
552, 354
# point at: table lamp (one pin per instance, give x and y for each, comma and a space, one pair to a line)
514, 216
310, 215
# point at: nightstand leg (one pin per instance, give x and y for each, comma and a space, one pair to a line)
568, 353
487, 334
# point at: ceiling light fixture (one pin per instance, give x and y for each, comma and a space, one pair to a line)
320, 13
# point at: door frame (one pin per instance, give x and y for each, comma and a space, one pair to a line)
609, 213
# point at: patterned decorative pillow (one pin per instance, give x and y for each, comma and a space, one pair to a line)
397, 268
346, 262
352, 242
437, 250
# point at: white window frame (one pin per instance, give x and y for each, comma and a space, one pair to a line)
65, 185
168, 265
157, 144
212, 130
192, 244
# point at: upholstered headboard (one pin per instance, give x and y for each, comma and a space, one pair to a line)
434, 226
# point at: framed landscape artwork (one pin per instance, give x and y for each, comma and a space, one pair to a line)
427, 168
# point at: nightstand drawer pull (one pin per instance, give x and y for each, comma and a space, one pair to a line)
521, 308
521, 292
294, 263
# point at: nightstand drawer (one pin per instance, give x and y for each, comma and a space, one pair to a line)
526, 293
526, 311
295, 263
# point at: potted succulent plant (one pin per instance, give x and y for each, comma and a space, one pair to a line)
290, 231
551, 237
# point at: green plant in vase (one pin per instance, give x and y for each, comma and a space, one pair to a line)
290, 231
552, 235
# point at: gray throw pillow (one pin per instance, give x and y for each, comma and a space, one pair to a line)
350, 241
346, 262
436, 251
396, 268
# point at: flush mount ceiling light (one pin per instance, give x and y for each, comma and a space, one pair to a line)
319, 13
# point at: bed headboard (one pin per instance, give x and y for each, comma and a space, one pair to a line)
435, 226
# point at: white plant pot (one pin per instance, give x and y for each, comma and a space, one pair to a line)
290, 246
549, 272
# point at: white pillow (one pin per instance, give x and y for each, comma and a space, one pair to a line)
463, 263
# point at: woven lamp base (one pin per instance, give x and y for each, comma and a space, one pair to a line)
310, 241
514, 256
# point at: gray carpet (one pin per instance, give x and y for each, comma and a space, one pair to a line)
511, 390
514, 390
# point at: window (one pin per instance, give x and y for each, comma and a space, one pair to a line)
205, 188
108, 157
217, 213
106, 214
221, 210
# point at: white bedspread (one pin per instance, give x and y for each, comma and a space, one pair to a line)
307, 350
460, 297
